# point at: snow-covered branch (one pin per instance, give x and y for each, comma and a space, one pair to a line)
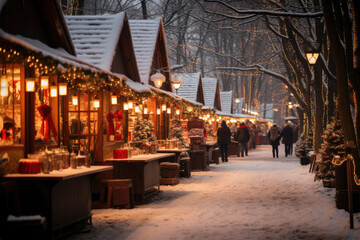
272, 12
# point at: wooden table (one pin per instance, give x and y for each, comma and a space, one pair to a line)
144, 170
176, 151
63, 197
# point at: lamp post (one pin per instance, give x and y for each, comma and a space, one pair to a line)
312, 53
237, 101
176, 81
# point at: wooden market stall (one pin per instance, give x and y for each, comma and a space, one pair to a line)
113, 51
38, 68
152, 58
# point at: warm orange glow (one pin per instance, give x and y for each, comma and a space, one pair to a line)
53, 91
113, 99
62, 89
75, 100
96, 103
30, 84
126, 106
158, 111
312, 57
163, 107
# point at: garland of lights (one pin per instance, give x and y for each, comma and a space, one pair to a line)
349, 157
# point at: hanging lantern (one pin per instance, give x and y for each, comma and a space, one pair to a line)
168, 110
163, 107
137, 109
146, 110
4, 86
96, 102
62, 89
75, 101
126, 106
177, 111
158, 79
113, 99
53, 90
30, 85
158, 111
176, 81
130, 105
190, 109
44, 82
312, 57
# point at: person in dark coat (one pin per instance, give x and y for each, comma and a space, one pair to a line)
223, 140
274, 138
243, 137
287, 135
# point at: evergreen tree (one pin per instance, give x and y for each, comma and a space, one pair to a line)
140, 133
302, 147
332, 145
176, 131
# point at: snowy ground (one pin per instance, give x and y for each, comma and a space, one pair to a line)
256, 197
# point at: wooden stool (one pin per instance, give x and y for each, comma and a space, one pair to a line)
169, 173
185, 168
119, 192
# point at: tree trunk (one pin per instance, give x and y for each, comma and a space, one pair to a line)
144, 10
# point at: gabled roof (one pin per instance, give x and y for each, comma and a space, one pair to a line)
191, 87
144, 35
148, 37
226, 102
211, 93
96, 37
36, 19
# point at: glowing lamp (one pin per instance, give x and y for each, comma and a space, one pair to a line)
163, 107
190, 109
145, 111
126, 106
137, 109
75, 101
158, 79
113, 99
168, 110
4, 86
312, 57
158, 111
130, 105
44, 82
237, 100
30, 84
62, 89
53, 90
176, 81
177, 111
4, 92
96, 102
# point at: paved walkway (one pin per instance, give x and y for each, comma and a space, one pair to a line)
256, 197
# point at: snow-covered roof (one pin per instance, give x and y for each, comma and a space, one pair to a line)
209, 88
189, 86
226, 101
174, 96
144, 35
96, 37
57, 54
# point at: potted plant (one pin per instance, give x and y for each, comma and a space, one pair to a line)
302, 150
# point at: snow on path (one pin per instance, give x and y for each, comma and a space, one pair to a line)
256, 197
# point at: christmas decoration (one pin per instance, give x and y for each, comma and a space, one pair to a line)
303, 147
209, 130
111, 129
143, 134
45, 112
333, 145
176, 131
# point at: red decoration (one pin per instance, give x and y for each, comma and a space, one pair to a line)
120, 153
4, 134
45, 112
118, 116
29, 166
110, 117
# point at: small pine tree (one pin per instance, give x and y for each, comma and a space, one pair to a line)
140, 131
302, 147
176, 131
332, 145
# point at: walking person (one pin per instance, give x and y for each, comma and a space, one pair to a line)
287, 135
223, 140
274, 137
243, 137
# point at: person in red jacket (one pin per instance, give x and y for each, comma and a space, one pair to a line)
243, 137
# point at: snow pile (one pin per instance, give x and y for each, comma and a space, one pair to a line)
256, 197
